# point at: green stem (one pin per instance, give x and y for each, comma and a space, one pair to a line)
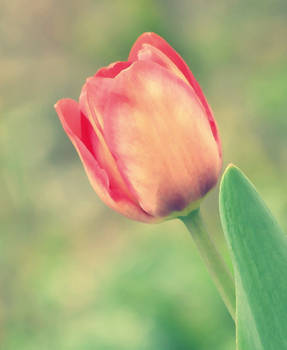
212, 258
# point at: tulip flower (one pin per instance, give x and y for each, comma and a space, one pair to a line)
145, 133
149, 143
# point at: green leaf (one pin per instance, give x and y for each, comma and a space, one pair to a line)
259, 253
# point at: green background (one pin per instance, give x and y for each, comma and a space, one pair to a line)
74, 275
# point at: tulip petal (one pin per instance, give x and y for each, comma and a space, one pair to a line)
72, 120
82, 135
113, 69
159, 43
159, 135
103, 155
152, 54
109, 71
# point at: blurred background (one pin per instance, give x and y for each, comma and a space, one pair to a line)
74, 275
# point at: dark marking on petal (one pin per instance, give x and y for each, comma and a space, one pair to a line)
171, 203
207, 183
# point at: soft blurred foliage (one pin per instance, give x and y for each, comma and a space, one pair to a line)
74, 274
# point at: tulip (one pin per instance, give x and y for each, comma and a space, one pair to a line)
145, 133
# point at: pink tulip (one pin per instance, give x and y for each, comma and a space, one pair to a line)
145, 133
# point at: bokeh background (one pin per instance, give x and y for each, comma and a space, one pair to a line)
74, 275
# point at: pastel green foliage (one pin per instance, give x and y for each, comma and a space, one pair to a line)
259, 253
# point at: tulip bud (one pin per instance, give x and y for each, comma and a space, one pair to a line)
145, 133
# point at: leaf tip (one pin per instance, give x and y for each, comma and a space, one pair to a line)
230, 171
230, 167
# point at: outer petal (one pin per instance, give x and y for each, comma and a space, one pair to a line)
118, 186
110, 71
82, 135
158, 42
159, 134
